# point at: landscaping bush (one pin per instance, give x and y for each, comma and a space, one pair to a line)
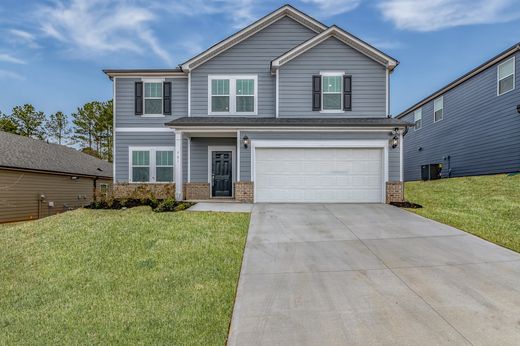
168, 204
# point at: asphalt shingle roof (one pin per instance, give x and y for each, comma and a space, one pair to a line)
27, 153
273, 122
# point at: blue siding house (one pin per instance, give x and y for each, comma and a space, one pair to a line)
285, 110
471, 126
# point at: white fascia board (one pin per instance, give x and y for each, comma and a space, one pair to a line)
344, 37
250, 30
213, 129
143, 129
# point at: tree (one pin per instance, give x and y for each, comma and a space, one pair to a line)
57, 128
93, 127
7, 124
28, 121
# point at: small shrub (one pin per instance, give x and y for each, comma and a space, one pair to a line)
168, 204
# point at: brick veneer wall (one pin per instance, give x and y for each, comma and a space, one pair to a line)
394, 191
159, 191
244, 191
196, 191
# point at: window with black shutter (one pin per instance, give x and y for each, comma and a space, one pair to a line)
138, 102
167, 98
347, 93
316, 93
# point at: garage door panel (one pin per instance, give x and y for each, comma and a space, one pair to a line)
318, 175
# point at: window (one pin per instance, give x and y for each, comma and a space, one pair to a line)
332, 92
438, 109
153, 98
417, 118
151, 165
164, 165
506, 76
220, 95
232, 95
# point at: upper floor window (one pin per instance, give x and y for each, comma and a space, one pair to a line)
151, 165
506, 76
417, 118
153, 98
232, 95
438, 109
332, 92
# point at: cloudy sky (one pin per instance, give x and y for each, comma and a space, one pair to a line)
52, 51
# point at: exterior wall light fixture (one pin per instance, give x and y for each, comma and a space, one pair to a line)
245, 140
395, 138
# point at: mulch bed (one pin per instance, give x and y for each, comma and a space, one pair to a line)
406, 204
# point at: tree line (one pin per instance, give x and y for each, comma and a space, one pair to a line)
90, 127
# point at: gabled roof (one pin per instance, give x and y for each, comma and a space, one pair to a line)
344, 37
511, 50
26, 153
284, 11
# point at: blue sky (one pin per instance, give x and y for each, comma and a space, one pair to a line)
52, 52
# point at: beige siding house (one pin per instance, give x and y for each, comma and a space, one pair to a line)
39, 179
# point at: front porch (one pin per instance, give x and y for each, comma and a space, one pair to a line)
213, 167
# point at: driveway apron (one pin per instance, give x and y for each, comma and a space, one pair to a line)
344, 274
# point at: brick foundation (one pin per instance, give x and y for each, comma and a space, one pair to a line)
158, 191
244, 191
394, 191
195, 191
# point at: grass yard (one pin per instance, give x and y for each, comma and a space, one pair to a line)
486, 206
120, 277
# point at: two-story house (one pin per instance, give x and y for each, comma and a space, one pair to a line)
469, 127
285, 110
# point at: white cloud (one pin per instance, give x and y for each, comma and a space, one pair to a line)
11, 59
432, 15
101, 27
5, 74
333, 7
24, 37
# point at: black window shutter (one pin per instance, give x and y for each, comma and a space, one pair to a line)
138, 98
347, 93
167, 98
316, 93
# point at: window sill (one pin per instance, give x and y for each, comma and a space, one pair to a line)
151, 182
229, 113
153, 116
333, 111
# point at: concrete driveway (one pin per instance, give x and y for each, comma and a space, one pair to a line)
371, 274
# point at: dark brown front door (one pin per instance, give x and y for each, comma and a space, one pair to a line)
222, 174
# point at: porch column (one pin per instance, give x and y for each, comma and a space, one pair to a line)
178, 166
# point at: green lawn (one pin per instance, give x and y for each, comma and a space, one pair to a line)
120, 277
487, 206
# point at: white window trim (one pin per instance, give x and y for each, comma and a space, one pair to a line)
332, 74
414, 120
213, 148
512, 74
153, 80
441, 98
233, 94
362, 144
152, 165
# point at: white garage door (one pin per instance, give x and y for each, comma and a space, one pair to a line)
318, 175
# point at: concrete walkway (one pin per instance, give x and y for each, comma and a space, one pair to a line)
222, 207
371, 274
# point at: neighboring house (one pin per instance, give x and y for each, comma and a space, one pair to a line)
39, 179
285, 110
471, 126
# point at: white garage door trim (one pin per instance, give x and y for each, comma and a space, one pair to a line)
346, 144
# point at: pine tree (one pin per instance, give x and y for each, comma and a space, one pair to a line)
28, 121
57, 128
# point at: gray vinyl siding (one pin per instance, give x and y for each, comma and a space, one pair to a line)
245, 154
124, 140
368, 81
125, 96
199, 156
480, 131
251, 56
